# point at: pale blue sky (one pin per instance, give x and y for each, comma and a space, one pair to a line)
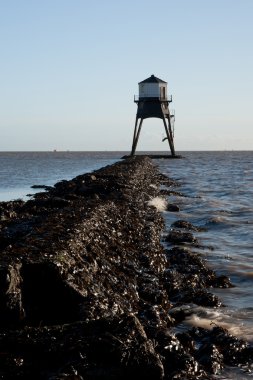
69, 70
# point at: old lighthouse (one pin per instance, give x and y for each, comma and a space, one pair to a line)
153, 101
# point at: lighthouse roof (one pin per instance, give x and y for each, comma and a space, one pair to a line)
152, 79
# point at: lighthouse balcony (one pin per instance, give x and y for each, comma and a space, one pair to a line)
152, 97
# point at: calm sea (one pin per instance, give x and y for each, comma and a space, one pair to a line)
219, 194
20, 170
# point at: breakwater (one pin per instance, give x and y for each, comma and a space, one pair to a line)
89, 292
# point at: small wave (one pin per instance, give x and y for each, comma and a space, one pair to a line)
230, 320
216, 220
159, 203
215, 203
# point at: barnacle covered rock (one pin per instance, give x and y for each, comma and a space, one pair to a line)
89, 292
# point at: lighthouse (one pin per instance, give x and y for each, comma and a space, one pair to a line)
153, 101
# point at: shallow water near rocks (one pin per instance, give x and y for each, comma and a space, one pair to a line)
217, 189
21, 170
219, 192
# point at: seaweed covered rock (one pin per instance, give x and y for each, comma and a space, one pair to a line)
86, 250
88, 291
180, 237
187, 225
100, 349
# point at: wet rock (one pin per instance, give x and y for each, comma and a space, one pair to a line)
76, 253
200, 297
187, 342
232, 348
46, 298
41, 187
12, 312
219, 348
179, 237
171, 192
178, 362
104, 349
209, 357
168, 182
187, 278
46, 203
173, 208
222, 282
186, 225
9, 210
89, 292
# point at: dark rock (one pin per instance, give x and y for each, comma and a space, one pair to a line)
50, 202
178, 362
179, 237
106, 347
186, 225
173, 208
171, 192
12, 311
210, 358
87, 290
219, 348
168, 182
188, 277
200, 297
222, 282
41, 187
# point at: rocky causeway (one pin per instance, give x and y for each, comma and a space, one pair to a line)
90, 291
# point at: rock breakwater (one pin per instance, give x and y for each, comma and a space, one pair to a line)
89, 292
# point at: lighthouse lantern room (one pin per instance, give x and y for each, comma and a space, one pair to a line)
153, 101
153, 87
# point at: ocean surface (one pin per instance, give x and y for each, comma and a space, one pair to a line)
218, 189
20, 170
219, 196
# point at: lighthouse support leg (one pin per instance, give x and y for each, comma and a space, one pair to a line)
136, 135
169, 136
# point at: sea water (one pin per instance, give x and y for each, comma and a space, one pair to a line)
218, 189
21, 170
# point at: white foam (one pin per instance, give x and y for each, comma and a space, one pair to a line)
207, 319
159, 203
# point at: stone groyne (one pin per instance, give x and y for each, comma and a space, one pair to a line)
89, 292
